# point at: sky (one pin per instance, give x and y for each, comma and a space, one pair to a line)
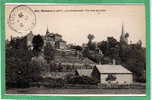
75, 22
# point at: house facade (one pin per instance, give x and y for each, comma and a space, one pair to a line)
108, 74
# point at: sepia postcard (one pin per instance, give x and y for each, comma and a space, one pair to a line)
75, 49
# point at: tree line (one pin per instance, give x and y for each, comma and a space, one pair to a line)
132, 56
20, 69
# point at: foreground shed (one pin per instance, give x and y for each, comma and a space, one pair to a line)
112, 74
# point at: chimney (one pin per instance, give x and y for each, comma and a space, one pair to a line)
114, 62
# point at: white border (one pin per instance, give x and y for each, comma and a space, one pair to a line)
73, 4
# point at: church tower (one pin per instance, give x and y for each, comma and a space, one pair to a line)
47, 31
122, 33
124, 36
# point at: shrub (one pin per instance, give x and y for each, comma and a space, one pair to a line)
53, 83
82, 80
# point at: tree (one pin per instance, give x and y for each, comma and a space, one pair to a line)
110, 48
85, 52
139, 43
91, 45
103, 46
112, 42
17, 66
18, 42
36, 67
134, 59
49, 52
90, 37
37, 43
98, 58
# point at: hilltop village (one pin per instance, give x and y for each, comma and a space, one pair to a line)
35, 57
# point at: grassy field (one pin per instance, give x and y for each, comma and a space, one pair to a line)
43, 90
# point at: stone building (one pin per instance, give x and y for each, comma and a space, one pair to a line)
54, 39
61, 44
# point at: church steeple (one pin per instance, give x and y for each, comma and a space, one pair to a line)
47, 30
122, 31
124, 36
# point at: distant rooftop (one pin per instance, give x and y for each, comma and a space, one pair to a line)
84, 72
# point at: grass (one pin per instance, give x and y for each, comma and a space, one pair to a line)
42, 90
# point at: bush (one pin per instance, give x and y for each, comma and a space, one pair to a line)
82, 80
53, 83
18, 84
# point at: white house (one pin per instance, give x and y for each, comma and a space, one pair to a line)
112, 74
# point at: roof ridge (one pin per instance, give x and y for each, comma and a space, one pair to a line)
108, 69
